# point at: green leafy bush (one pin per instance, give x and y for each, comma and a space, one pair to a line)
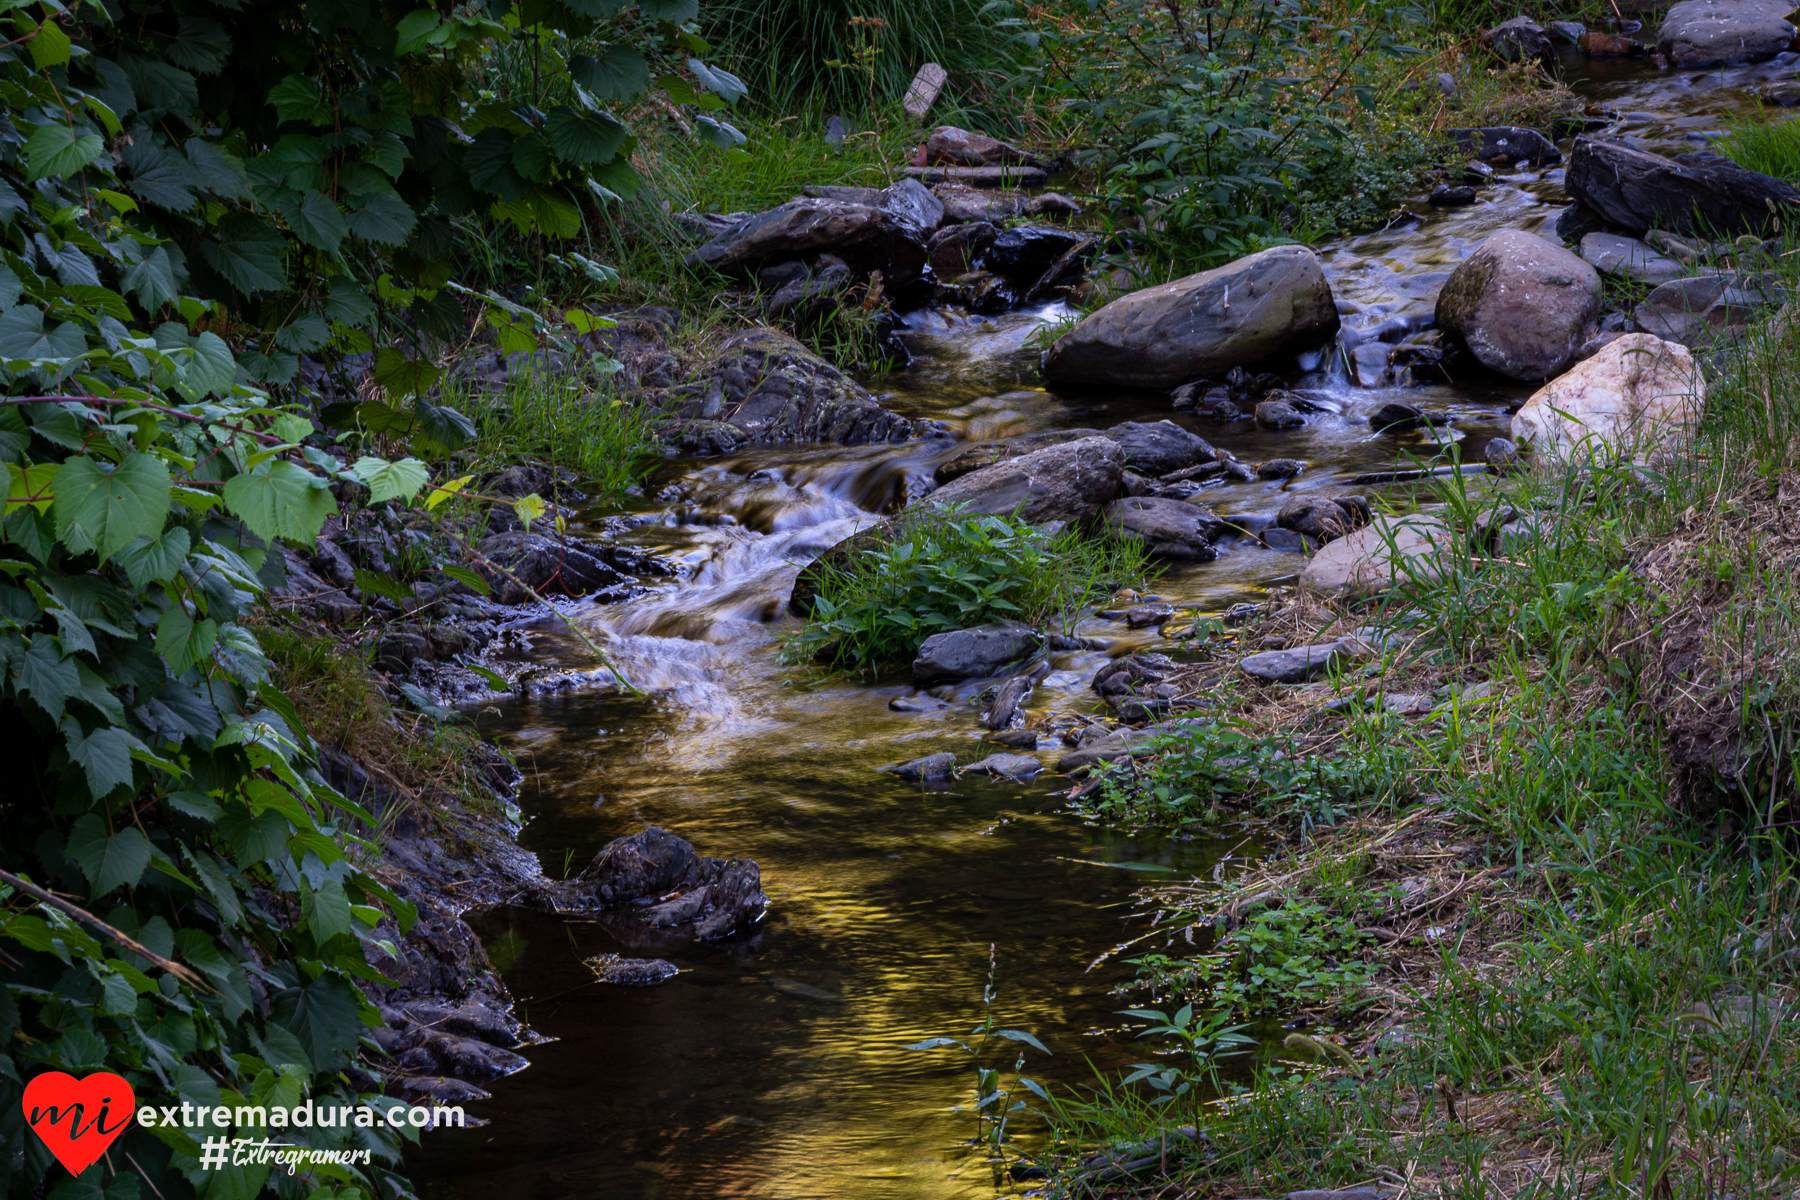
1230, 129
945, 569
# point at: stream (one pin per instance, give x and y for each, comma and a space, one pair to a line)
776, 1066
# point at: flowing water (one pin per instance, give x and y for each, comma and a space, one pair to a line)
777, 1066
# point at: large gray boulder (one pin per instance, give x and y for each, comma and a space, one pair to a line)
1158, 447
973, 653
1697, 310
1704, 33
1168, 528
1267, 304
1638, 191
1071, 482
866, 237
1522, 306
1520, 40
764, 386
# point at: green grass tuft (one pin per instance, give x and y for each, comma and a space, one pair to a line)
1766, 143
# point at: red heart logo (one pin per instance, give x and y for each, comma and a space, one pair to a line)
75, 1117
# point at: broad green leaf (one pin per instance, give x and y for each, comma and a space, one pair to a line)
722, 134
315, 220
103, 510
248, 253
489, 163
401, 375
678, 12
291, 427
466, 577
325, 1017
415, 29
382, 218
30, 487
721, 83
60, 150
45, 675
298, 98
348, 304
183, 641
439, 428
529, 508
280, 499
448, 490
210, 370
391, 480
583, 137
49, 45
327, 910
304, 334
587, 322
147, 560
109, 860
23, 335
620, 74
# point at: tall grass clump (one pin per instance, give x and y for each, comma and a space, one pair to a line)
793, 53
945, 569
563, 422
1763, 142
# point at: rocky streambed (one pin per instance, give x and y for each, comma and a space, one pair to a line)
747, 1051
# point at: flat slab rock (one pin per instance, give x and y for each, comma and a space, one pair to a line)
917, 770
1373, 559
1613, 254
1303, 662
1006, 766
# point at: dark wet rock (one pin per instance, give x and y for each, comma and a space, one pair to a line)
1168, 528
1304, 663
1006, 766
1637, 190
1065, 271
1701, 33
964, 203
1279, 468
1596, 44
1008, 708
1520, 40
1133, 675
439, 1089
707, 439
1321, 519
866, 238
919, 703
554, 566
1053, 205
955, 249
1277, 538
1279, 414
974, 653
980, 292
986, 454
632, 972
1445, 196
1016, 739
1500, 455
1070, 482
1125, 743
1697, 310
714, 897
1506, 143
770, 388
471, 1019
1568, 31
1613, 254
1145, 616
950, 146
804, 293
1159, 447
443, 1054
932, 766
1267, 304
1521, 305
1024, 253
911, 204
1396, 414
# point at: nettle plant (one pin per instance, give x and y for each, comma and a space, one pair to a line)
191, 196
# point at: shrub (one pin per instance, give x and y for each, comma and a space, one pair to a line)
947, 570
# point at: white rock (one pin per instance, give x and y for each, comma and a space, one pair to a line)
1635, 396
1373, 558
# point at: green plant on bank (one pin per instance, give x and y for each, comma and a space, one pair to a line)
945, 569
995, 1103
560, 421
189, 200
1277, 959
1767, 141
1227, 129
1205, 766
